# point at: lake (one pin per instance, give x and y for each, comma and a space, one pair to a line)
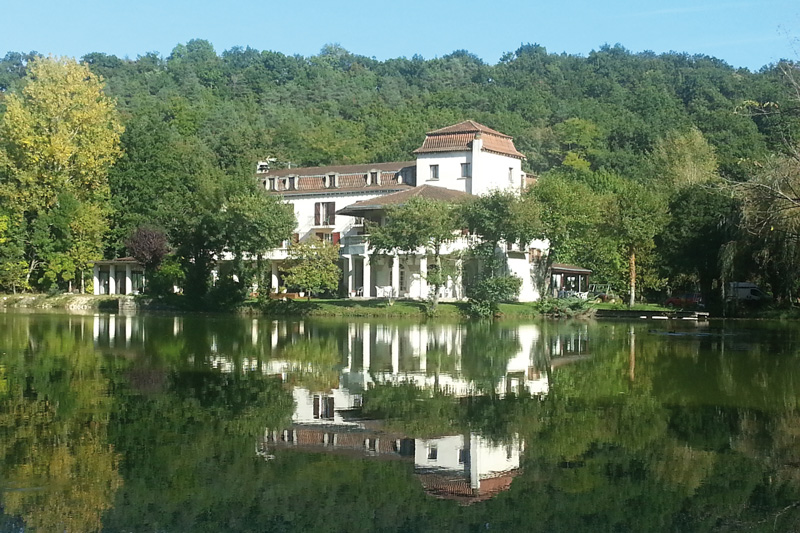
196, 423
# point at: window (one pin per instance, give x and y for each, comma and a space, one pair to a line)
433, 453
466, 170
358, 221
511, 175
323, 407
463, 456
324, 213
434, 172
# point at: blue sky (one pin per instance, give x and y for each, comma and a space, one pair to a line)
745, 33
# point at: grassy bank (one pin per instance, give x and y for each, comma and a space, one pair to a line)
381, 308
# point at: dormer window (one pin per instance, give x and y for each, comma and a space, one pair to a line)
271, 184
331, 181
372, 178
292, 183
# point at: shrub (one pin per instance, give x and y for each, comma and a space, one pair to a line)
486, 294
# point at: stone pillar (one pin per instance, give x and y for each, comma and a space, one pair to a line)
274, 276
367, 276
128, 287
396, 276
423, 280
112, 279
96, 280
349, 274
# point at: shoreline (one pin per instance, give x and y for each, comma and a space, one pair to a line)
410, 309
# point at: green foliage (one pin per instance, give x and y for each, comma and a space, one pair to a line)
59, 135
312, 266
168, 276
196, 121
488, 292
502, 215
564, 307
419, 223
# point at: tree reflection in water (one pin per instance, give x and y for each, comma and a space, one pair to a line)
164, 423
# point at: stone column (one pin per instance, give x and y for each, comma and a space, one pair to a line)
367, 276
423, 281
396, 276
349, 274
128, 287
112, 279
96, 280
274, 276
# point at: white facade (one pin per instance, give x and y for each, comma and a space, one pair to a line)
467, 157
486, 171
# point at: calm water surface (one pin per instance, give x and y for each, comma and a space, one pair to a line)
162, 423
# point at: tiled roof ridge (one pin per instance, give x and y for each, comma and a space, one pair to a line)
467, 126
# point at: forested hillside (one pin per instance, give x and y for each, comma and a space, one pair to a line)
607, 133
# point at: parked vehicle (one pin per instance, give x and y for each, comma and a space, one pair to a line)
743, 291
684, 300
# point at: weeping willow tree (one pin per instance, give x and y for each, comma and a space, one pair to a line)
771, 213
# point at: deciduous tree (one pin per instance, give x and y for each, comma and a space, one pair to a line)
58, 137
419, 223
312, 266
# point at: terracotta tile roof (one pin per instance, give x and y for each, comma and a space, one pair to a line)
468, 126
459, 137
391, 177
448, 487
398, 198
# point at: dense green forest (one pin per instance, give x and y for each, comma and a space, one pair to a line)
679, 165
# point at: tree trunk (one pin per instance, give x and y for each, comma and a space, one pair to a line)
31, 267
632, 299
83, 283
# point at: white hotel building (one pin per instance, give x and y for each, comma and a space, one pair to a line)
453, 162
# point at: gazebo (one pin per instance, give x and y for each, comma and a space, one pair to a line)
118, 276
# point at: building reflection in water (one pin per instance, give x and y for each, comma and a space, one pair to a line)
347, 360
